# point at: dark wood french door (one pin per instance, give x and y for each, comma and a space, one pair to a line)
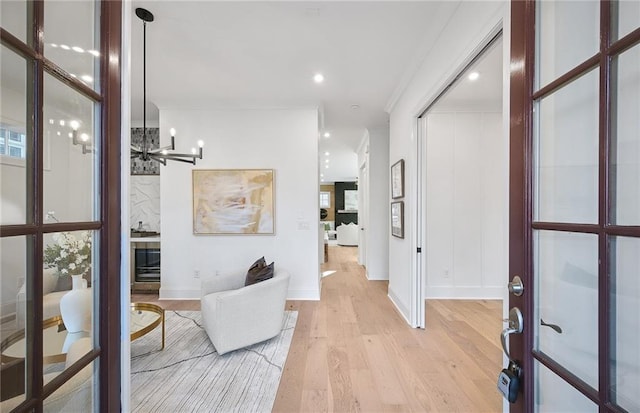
60, 169
575, 204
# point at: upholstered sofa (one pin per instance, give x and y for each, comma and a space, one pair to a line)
347, 234
235, 316
50, 301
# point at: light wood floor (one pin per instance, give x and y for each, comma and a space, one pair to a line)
353, 352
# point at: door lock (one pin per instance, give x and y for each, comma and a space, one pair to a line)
509, 378
516, 287
515, 327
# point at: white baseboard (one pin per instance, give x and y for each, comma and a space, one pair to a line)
167, 294
404, 312
377, 277
467, 293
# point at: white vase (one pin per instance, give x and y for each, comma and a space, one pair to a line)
75, 306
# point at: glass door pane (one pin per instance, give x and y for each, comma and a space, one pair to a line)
13, 18
70, 186
566, 270
625, 334
627, 19
15, 281
14, 143
74, 47
566, 150
567, 34
625, 131
554, 395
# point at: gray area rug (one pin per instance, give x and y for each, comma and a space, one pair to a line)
189, 376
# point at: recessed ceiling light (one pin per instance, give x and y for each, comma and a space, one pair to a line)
51, 121
326, 167
326, 161
78, 49
318, 78
322, 180
321, 175
53, 45
326, 153
327, 135
61, 122
355, 106
94, 52
72, 75
87, 78
70, 135
59, 133
65, 47
474, 75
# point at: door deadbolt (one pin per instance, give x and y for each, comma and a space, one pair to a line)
516, 287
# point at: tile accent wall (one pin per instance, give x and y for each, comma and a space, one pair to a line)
140, 167
145, 202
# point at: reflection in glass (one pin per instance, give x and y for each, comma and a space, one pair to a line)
566, 270
13, 138
69, 183
627, 19
71, 39
625, 161
13, 18
568, 34
13, 278
76, 395
625, 307
566, 150
554, 395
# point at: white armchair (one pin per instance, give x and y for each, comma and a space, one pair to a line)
348, 234
235, 316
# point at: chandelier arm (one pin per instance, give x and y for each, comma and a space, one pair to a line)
158, 159
135, 149
177, 157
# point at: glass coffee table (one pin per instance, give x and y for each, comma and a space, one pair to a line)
144, 318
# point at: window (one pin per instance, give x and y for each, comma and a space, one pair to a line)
325, 199
12, 143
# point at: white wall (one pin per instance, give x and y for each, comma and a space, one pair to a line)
470, 24
465, 206
375, 152
283, 140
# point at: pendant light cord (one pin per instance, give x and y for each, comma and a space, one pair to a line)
144, 89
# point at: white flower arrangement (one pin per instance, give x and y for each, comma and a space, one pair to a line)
70, 254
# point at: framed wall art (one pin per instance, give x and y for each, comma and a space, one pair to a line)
397, 219
233, 201
397, 179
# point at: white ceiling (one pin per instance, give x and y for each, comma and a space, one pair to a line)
482, 94
264, 55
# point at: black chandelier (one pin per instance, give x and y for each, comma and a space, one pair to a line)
144, 152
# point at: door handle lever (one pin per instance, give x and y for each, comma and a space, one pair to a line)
515, 327
554, 327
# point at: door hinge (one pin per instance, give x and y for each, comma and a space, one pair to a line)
419, 250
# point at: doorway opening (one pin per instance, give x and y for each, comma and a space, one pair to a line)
464, 176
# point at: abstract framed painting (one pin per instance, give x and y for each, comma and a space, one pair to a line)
397, 179
233, 201
397, 219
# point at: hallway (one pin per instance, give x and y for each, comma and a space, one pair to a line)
352, 351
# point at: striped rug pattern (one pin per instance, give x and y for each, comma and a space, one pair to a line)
189, 376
